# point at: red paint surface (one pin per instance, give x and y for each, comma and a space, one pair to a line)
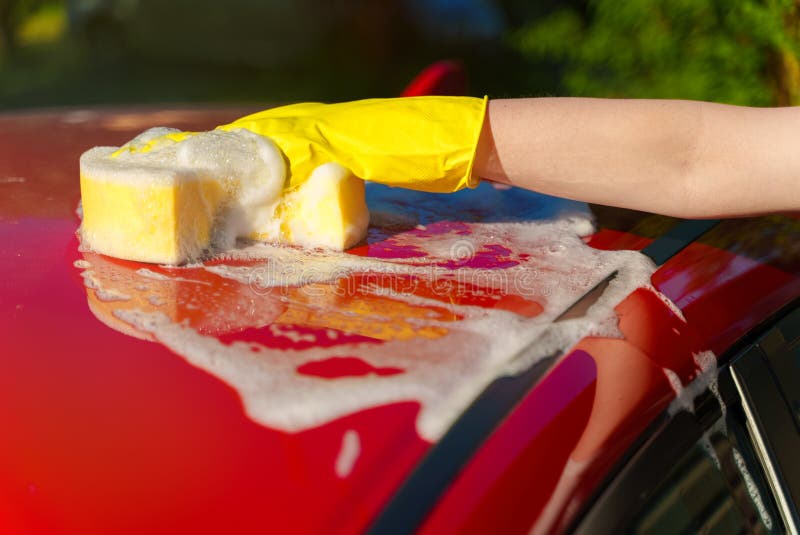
612, 240
106, 433
723, 294
524, 469
336, 367
536, 440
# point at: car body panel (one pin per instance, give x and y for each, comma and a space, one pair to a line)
725, 285
106, 430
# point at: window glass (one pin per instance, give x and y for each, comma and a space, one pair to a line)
714, 488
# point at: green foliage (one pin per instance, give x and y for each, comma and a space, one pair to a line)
735, 51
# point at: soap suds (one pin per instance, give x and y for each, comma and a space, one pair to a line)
291, 334
258, 168
677, 386
443, 373
672, 306
208, 189
752, 489
452, 346
95, 283
150, 274
707, 362
685, 395
155, 300
707, 442
348, 454
111, 295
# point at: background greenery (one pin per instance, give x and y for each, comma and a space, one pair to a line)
83, 52
734, 51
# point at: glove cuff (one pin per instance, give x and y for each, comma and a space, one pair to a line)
470, 180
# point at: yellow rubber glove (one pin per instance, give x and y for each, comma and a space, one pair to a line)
422, 143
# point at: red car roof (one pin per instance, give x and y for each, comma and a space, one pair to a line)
113, 426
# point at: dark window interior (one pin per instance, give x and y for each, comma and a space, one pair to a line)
712, 490
702, 472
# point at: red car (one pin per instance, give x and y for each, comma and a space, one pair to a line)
485, 362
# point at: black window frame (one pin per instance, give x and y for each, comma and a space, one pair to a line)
756, 382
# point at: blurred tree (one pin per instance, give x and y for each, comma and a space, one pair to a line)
734, 51
12, 14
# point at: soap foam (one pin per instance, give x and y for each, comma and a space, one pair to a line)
210, 188
348, 455
707, 441
173, 295
248, 167
150, 274
685, 395
454, 347
752, 489
548, 262
554, 279
442, 375
251, 162
95, 283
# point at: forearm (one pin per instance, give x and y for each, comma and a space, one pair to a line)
688, 159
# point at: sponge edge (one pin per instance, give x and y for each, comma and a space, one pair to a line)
327, 210
166, 217
170, 197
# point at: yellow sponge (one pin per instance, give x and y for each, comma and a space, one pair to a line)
166, 221
327, 210
170, 197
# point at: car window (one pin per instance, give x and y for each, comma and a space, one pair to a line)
729, 466
711, 489
781, 347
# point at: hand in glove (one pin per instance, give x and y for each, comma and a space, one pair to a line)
421, 143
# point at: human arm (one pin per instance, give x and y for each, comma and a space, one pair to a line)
679, 158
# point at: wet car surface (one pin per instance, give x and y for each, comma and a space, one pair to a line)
282, 390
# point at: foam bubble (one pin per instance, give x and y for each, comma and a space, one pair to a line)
150, 274
111, 295
149, 139
670, 305
685, 395
752, 489
348, 454
708, 448
251, 162
155, 300
292, 334
707, 441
